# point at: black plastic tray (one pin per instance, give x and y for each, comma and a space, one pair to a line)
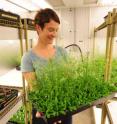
7, 94
82, 108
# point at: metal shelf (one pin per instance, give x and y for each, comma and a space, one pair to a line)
7, 112
9, 19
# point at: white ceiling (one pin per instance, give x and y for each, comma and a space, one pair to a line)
16, 6
72, 3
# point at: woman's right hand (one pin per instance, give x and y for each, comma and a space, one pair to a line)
38, 114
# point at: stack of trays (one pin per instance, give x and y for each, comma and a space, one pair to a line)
6, 96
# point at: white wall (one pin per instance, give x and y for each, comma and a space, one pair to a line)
66, 32
77, 26
82, 28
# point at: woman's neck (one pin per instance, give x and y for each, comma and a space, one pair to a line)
44, 50
42, 45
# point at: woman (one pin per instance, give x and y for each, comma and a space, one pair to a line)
47, 24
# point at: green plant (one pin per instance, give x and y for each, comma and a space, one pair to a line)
19, 116
66, 85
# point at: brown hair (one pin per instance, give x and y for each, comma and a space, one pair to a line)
44, 16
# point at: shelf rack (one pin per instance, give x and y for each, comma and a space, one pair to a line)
28, 24
109, 23
8, 19
12, 106
11, 20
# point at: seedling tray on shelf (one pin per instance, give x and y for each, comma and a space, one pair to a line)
7, 94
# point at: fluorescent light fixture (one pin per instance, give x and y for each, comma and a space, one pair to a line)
10, 7
108, 2
42, 3
25, 3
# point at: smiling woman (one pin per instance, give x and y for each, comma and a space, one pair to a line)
46, 24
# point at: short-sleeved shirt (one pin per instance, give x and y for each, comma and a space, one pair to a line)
31, 62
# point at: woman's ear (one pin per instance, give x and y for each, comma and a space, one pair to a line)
38, 28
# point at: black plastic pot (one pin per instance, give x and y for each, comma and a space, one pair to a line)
18, 68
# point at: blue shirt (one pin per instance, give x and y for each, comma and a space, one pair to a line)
31, 62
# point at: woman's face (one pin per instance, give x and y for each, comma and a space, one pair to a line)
49, 32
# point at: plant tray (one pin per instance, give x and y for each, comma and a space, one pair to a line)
10, 122
82, 108
68, 114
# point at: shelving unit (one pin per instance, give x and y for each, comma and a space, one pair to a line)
11, 21
12, 105
29, 32
20, 29
11, 27
110, 23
